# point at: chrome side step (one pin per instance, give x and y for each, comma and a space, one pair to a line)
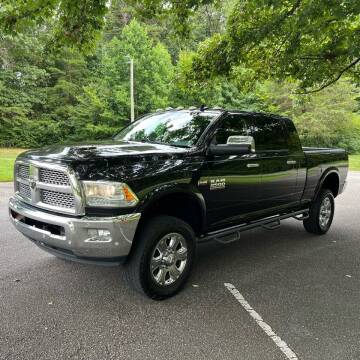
231, 234
302, 217
272, 226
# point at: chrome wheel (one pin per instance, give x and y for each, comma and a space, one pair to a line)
325, 213
168, 259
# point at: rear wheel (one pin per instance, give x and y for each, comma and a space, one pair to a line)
321, 213
162, 258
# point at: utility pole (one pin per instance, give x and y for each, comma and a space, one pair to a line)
132, 102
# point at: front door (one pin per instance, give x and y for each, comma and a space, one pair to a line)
231, 185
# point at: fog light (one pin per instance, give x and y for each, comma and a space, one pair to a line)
99, 236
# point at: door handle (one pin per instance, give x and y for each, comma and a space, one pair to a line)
291, 162
252, 165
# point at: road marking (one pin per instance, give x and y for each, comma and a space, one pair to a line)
354, 175
266, 328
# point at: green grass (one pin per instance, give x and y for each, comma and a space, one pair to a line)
354, 161
7, 158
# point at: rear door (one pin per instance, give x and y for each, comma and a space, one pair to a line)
231, 185
279, 169
297, 157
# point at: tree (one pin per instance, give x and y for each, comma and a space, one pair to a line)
182, 11
153, 71
22, 85
77, 22
47, 97
327, 118
39, 91
313, 41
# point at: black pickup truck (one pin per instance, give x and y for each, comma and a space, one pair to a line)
169, 181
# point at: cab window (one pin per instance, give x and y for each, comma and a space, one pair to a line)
268, 133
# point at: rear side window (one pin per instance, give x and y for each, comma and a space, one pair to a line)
268, 133
293, 139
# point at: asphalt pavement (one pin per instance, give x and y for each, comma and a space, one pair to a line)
305, 288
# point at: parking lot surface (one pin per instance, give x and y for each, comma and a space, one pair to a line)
306, 288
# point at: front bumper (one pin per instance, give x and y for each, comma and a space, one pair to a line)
72, 237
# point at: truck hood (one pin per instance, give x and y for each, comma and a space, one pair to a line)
103, 150
130, 162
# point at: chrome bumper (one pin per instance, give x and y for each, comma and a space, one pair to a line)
72, 234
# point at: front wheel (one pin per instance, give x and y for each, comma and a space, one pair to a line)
163, 256
321, 213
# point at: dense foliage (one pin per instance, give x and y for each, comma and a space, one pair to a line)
313, 41
78, 22
55, 94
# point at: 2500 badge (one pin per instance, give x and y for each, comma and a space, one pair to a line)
217, 184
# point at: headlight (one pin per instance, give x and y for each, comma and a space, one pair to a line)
108, 194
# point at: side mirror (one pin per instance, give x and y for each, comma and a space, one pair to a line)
238, 139
229, 149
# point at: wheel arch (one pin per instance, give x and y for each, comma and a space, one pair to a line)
330, 180
183, 202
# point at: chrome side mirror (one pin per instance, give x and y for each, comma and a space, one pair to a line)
243, 140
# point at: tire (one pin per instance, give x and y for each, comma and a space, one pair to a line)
164, 249
321, 213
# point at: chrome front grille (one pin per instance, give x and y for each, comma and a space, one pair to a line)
55, 177
49, 186
25, 191
23, 171
54, 198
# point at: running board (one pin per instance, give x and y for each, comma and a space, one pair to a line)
231, 234
272, 226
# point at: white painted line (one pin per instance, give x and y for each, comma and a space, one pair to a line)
353, 175
266, 328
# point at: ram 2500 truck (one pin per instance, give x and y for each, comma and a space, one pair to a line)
169, 181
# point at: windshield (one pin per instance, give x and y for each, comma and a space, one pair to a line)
176, 128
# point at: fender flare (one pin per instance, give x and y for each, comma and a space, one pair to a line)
161, 192
329, 171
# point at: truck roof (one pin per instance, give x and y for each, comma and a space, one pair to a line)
230, 111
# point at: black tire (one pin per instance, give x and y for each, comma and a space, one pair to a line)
314, 223
137, 267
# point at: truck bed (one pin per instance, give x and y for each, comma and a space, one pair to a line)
319, 162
